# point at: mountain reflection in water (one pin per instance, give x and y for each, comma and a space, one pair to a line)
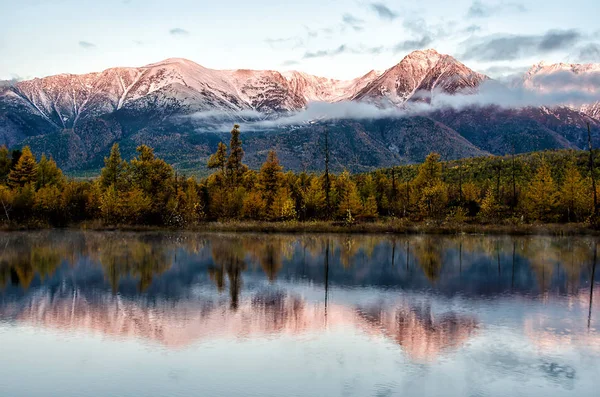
431, 297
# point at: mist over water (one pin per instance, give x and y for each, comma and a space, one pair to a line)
154, 314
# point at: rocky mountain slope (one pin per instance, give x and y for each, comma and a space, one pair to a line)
417, 72
168, 105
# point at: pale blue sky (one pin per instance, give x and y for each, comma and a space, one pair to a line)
334, 38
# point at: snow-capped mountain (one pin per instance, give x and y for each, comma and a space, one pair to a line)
64, 100
421, 71
313, 88
76, 118
583, 79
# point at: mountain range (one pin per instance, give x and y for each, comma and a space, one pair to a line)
183, 110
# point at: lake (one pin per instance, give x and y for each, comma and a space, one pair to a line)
185, 314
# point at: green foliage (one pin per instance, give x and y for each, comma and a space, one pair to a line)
114, 171
235, 167
270, 178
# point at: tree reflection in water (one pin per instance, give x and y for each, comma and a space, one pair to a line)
61, 265
26, 257
228, 256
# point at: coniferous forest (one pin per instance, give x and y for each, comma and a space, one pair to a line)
543, 187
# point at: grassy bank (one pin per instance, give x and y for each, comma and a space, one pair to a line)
394, 226
399, 227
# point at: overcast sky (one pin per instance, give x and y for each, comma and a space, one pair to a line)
333, 38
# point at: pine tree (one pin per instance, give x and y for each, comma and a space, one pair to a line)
114, 169
25, 171
270, 178
154, 177
235, 167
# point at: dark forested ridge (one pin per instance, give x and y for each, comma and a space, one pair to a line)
363, 145
550, 186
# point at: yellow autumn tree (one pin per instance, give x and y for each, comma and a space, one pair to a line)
574, 199
490, 209
283, 207
314, 198
347, 195
254, 206
370, 208
25, 171
431, 191
541, 197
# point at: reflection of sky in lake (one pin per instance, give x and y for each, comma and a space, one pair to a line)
124, 314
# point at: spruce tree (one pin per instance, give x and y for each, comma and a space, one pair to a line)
153, 177
235, 167
114, 169
25, 171
270, 178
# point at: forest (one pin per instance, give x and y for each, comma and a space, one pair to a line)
542, 187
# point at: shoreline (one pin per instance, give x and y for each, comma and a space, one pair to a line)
324, 227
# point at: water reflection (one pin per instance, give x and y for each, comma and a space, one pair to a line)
430, 297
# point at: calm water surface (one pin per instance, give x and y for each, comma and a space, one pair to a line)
118, 314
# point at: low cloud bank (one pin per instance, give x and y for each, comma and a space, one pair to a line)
490, 93
565, 80
241, 115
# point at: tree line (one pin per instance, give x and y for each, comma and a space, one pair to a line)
547, 187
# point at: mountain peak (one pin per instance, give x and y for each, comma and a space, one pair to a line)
427, 52
422, 70
173, 61
429, 56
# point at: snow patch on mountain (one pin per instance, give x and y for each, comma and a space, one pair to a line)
580, 80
